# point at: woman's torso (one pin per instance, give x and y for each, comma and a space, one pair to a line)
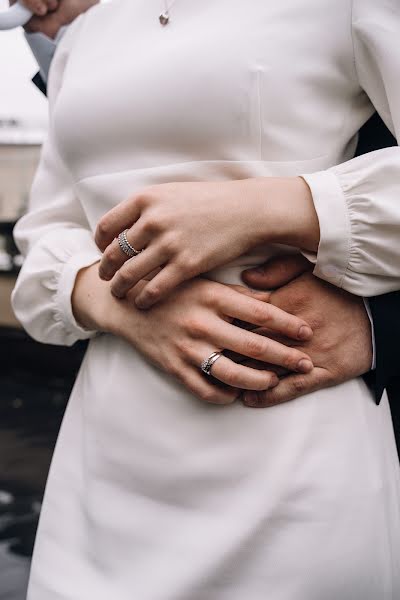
217, 502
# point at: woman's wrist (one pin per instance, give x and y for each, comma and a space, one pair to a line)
286, 213
91, 299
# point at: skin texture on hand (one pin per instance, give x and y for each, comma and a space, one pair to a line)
189, 228
50, 15
196, 320
341, 347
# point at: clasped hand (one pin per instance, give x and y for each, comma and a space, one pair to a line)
189, 228
182, 238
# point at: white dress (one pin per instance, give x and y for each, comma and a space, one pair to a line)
153, 494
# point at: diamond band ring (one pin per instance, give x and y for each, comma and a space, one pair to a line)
207, 363
125, 246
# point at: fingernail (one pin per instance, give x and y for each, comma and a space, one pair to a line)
305, 332
249, 398
253, 400
304, 366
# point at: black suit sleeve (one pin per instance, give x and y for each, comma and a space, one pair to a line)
385, 309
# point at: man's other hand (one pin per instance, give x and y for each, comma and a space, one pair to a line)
50, 15
341, 347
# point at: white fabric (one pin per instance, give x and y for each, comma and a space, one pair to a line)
152, 494
43, 48
358, 202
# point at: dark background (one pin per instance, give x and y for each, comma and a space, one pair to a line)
36, 381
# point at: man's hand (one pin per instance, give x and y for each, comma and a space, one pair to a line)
341, 347
50, 15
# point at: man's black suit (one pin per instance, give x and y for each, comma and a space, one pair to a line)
386, 308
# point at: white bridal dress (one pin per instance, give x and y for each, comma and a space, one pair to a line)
153, 494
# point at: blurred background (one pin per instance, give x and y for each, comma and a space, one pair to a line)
35, 380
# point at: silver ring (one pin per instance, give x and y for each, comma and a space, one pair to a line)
125, 246
207, 363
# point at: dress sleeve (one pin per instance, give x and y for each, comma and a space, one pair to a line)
54, 237
358, 202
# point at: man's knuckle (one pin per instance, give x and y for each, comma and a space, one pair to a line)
302, 298
325, 346
299, 385
316, 322
330, 378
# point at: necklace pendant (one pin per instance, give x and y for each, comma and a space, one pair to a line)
164, 18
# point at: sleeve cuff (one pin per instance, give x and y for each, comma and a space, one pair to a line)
63, 296
333, 255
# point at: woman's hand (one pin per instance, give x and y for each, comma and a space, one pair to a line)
189, 228
193, 322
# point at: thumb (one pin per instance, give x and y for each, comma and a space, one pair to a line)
276, 272
264, 296
289, 388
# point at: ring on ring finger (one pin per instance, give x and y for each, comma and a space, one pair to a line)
125, 246
208, 362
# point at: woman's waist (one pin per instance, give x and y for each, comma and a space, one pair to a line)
122, 393
99, 192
